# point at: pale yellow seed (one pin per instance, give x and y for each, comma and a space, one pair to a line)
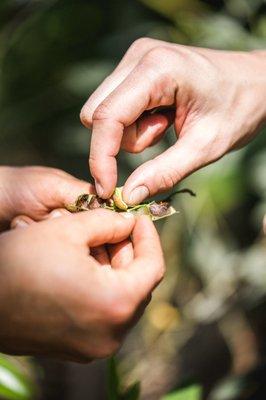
118, 199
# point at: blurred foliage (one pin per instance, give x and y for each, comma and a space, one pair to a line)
16, 379
207, 321
190, 393
115, 385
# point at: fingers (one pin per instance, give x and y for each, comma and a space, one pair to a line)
146, 131
97, 227
21, 221
195, 149
121, 254
101, 255
126, 65
156, 175
108, 85
147, 269
109, 121
57, 213
66, 190
114, 114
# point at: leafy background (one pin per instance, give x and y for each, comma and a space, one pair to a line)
204, 332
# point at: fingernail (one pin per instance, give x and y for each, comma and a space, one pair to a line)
99, 188
127, 215
138, 195
20, 223
56, 214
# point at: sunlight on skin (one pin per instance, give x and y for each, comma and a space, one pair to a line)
214, 98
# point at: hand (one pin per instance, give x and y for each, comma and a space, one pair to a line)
35, 191
75, 301
216, 100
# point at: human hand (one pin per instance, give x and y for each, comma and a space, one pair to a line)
61, 295
216, 100
35, 191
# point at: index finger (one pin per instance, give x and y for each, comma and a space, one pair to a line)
120, 109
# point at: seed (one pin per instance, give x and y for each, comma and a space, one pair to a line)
118, 199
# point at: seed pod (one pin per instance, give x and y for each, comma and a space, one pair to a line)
164, 213
159, 209
140, 210
81, 204
118, 199
156, 210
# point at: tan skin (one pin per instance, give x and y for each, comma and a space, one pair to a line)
76, 301
215, 99
73, 285
36, 191
74, 305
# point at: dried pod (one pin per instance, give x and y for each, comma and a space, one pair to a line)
96, 202
165, 213
81, 204
159, 209
156, 210
140, 210
118, 199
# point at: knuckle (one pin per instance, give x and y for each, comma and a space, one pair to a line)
168, 179
158, 64
96, 165
185, 54
102, 112
85, 117
159, 53
140, 43
134, 148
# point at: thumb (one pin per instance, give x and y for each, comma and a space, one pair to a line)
96, 227
194, 150
67, 189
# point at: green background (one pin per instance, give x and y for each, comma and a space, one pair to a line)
207, 321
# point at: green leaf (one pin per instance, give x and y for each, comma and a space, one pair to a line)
113, 380
15, 384
133, 392
193, 392
114, 390
170, 8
